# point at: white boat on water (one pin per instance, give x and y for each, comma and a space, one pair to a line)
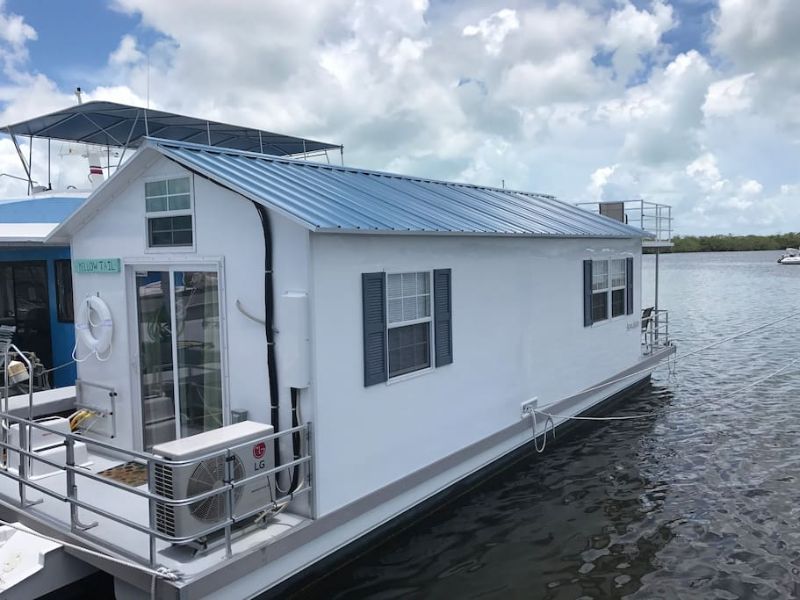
790, 257
278, 357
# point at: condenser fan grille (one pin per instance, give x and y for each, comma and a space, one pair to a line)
210, 475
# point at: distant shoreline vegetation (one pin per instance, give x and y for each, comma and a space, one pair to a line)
733, 243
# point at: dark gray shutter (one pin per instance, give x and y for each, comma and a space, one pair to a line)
373, 291
629, 286
587, 293
442, 317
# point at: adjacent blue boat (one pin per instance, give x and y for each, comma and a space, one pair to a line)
36, 280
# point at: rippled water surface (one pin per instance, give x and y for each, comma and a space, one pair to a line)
699, 500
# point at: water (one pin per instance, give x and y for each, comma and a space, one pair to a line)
699, 500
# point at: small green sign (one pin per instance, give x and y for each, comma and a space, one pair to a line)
97, 265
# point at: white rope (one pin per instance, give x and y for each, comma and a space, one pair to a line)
160, 573
674, 360
681, 409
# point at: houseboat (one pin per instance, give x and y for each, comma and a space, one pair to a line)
63, 156
278, 357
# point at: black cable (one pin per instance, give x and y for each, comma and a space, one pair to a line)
269, 304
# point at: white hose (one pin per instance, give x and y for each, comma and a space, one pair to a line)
96, 336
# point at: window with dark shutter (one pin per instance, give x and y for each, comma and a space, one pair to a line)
442, 317
629, 286
373, 289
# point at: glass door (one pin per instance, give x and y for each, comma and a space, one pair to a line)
179, 353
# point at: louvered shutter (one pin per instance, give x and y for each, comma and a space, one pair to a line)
442, 317
629, 286
587, 293
373, 291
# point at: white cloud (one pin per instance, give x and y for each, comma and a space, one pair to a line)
494, 29
127, 53
580, 99
728, 97
632, 34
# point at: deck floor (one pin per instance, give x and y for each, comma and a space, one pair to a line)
134, 508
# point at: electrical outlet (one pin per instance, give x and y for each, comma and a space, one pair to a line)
528, 407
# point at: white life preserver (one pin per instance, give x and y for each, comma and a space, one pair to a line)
96, 336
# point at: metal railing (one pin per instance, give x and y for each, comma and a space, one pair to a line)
650, 216
73, 471
655, 330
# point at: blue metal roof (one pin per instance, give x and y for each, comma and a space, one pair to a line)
39, 210
328, 198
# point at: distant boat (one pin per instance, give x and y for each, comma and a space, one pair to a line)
790, 257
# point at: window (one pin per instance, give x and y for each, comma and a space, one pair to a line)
64, 306
599, 290
607, 286
409, 322
618, 287
168, 206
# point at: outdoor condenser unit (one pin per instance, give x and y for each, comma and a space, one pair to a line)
251, 454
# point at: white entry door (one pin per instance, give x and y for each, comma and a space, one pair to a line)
178, 321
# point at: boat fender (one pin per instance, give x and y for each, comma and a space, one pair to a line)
96, 336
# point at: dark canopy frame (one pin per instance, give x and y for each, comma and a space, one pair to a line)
110, 124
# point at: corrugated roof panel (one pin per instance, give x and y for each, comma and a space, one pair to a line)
328, 198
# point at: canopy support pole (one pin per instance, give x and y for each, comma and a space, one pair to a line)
127, 142
22, 159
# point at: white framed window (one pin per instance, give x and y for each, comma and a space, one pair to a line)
600, 290
168, 210
408, 310
618, 286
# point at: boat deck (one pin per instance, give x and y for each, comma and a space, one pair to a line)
180, 559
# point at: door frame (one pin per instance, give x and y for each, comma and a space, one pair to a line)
171, 264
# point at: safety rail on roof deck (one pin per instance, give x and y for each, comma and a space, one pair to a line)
655, 330
71, 492
652, 217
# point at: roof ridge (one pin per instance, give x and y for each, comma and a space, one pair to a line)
342, 168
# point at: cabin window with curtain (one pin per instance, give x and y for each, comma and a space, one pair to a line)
168, 207
407, 323
607, 289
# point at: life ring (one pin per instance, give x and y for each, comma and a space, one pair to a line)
95, 335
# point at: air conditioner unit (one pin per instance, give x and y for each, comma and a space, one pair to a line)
251, 454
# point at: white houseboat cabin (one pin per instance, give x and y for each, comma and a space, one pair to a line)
278, 357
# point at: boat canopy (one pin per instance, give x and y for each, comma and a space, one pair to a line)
111, 124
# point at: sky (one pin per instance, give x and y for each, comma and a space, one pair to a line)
692, 103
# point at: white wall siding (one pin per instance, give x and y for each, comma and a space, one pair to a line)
517, 333
227, 229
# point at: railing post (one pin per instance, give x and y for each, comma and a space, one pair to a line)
22, 463
309, 475
151, 509
72, 489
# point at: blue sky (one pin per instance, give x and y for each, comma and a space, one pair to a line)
681, 101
